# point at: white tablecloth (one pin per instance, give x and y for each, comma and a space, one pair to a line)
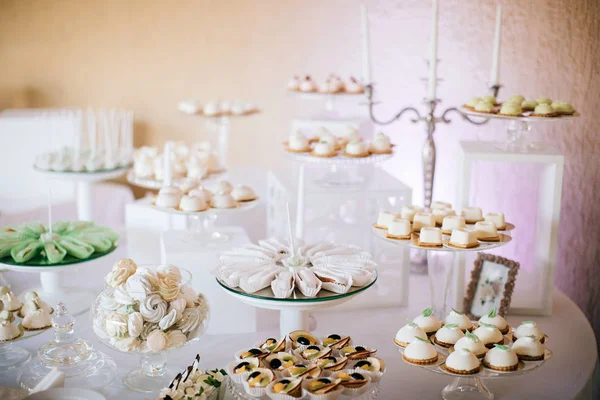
567, 376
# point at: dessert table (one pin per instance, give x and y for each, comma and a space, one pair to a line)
567, 376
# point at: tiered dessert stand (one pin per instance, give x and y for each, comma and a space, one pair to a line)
84, 181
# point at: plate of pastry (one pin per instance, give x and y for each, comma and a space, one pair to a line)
518, 107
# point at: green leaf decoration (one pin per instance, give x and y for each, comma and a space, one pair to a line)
502, 347
423, 340
532, 337
492, 313
427, 312
451, 326
487, 325
412, 324
527, 323
472, 336
458, 312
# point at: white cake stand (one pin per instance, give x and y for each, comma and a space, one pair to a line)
83, 183
293, 311
517, 127
155, 184
53, 290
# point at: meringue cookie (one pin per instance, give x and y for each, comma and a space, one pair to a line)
192, 204
127, 344
168, 197
138, 287
116, 325
168, 320
147, 329
243, 193
168, 287
224, 201
122, 297
190, 320
135, 324
220, 187
157, 341
108, 303
178, 305
294, 83
202, 194
189, 295
176, 338
126, 264
10, 302
153, 308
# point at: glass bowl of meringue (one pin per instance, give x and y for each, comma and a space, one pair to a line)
148, 310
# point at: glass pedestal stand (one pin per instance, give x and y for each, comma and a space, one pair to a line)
220, 125
152, 376
12, 356
441, 272
466, 388
203, 229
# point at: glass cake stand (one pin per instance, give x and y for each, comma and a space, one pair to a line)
294, 310
52, 288
517, 129
155, 184
12, 356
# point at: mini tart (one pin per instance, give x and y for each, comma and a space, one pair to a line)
462, 362
321, 386
494, 319
420, 352
326, 155
361, 155
286, 386
544, 111
563, 108
37, 321
489, 334
430, 237
399, 229
356, 353
484, 108
287, 148
253, 352
9, 331
529, 328
463, 239
486, 231
528, 348
314, 352
497, 219
384, 219
353, 380
273, 345
511, 110
331, 363
529, 105
472, 214
280, 361
301, 370
257, 382
428, 322
245, 366
448, 335
472, 103
471, 343
460, 319
501, 358
336, 341
302, 338
371, 364
407, 334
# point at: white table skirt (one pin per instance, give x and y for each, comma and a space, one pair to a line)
567, 376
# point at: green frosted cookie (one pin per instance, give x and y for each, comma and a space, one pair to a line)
55, 253
76, 247
26, 250
100, 243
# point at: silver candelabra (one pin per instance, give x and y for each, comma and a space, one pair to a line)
430, 120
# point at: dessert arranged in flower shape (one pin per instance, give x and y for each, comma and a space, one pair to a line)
332, 85
222, 108
518, 106
33, 242
148, 311
308, 268
219, 195
327, 145
193, 383
301, 364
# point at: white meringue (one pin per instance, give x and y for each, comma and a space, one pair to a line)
157, 341
179, 305
123, 297
168, 320
135, 324
116, 325
153, 308
176, 338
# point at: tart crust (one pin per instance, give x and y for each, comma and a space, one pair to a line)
511, 115
305, 150
380, 152
440, 343
429, 244
473, 221
406, 237
463, 246
505, 369
421, 362
462, 371
401, 344
490, 239
379, 227
531, 358
362, 155
551, 115
328, 155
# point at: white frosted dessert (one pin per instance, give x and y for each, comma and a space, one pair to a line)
37, 320
437, 205
497, 219
223, 201
356, 148
472, 343
408, 212
529, 328
407, 334
528, 348
430, 237
293, 83
486, 231
9, 301
384, 219
32, 303
440, 213
472, 214
501, 358
420, 351
458, 318
307, 85
168, 197
427, 321
463, 239
243, 193
220, 187
492, 318
324, 149
8, 330
192, 204
463, 362
297, 142
447, 335
489, 335
399, 229
353, 86
380, 144
201, 193
423, 219
453, 222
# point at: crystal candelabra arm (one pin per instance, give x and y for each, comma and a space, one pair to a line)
463, 115
369, 94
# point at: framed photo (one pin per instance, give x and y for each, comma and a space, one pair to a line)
492, 284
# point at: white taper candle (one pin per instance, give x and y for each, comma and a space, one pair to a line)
289, 220
433, 44
168, 172
366, 51
495, 74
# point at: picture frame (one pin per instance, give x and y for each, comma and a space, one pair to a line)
492, 284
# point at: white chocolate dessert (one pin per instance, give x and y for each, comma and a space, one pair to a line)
529, 328
428, 322
219, 187
324, 149
37, 320
501, 358
489, 335
486, 231
472, 214
294, 83
192, 204
472, 343
472, 102
492, 318
528, 348
408, 212
497, 219
8, 330
421, 220
223, 201
307, 85
380, 144
407, 334
430, 237
354, 86
168, 197
511, 109
242, 193
356, 148
420, 351
437, 205
399, 228
484, 107
298, 143
516, 98
463, 239
9, 301
463, 362
453, 222
440, 213
458, 318
543, 110
384, 219
563, 108
32, 303
447, 335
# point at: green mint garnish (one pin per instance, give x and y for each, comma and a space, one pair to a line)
492, 313
532, 337
451, 326
427, 312
502, 347
472, 336
458, 312
412, 324
487, 325
527, 323
423, 340
212, 381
